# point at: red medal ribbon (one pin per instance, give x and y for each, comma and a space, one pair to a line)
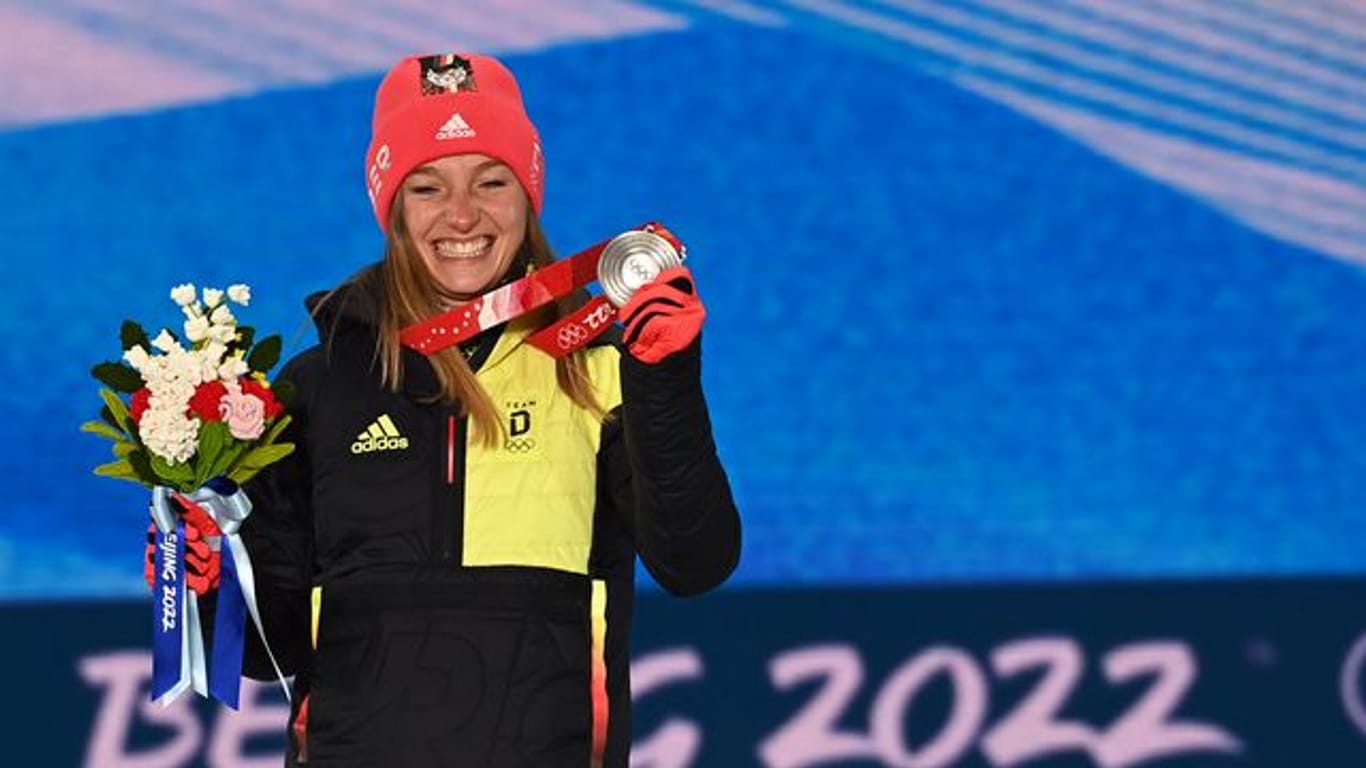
521, 296
503, 304
575, 331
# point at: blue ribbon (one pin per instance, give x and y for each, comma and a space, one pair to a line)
229, 632
178, 645
169, 659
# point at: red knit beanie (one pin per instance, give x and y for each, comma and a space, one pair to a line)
450, 104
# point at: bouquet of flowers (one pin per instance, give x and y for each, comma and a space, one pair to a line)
201, 418
198, 413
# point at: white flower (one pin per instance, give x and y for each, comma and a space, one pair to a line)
167, 433
197, 329
184, 368
165, 341
232, 368
223, 333
213, 352
183, 294
172, 379
137, 357
172, 375
210, 357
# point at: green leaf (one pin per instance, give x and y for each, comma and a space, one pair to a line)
108, 417
257, 460
213, 438
118, 377
119, 470
276, 429
213, 435
118, 411
132, 335
124, 448
143, 467
180, 476
104, 430
284, 392
226, 458
266, 354
264, 455
115, 469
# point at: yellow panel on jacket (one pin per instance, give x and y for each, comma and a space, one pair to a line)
529, 501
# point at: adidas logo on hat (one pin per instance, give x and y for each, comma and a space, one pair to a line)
455, 128
381, 435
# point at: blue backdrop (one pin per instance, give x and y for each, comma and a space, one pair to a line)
1047, 293
946, 340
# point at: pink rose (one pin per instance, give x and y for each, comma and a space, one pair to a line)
245, 414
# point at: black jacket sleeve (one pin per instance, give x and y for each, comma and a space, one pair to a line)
278, 535
671, 485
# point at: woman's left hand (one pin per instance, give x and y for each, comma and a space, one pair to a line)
664, 316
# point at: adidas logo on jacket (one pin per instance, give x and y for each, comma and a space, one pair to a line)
381, 435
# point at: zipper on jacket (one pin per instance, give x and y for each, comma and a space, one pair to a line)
450, 449
450, 515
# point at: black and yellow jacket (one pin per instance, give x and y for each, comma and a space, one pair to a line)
445, 603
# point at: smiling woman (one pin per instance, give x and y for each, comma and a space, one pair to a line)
447, 562
461, 225
466, 215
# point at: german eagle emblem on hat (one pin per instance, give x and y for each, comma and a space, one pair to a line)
446, 73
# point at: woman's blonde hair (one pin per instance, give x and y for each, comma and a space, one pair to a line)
408, 293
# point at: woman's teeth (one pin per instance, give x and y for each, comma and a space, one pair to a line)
463, 249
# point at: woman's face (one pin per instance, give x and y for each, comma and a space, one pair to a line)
467, 216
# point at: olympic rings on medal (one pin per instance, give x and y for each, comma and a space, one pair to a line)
633, 259
643, 270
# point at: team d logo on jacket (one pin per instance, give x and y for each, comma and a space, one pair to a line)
519, 423
381, 435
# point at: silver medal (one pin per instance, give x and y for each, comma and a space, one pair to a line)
631, 260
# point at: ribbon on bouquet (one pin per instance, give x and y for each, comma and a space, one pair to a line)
621, 265
178, 657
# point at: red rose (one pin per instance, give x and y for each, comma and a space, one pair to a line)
141, 400
204, 403
251, 386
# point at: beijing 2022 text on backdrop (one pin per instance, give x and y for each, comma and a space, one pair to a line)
1035, 352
